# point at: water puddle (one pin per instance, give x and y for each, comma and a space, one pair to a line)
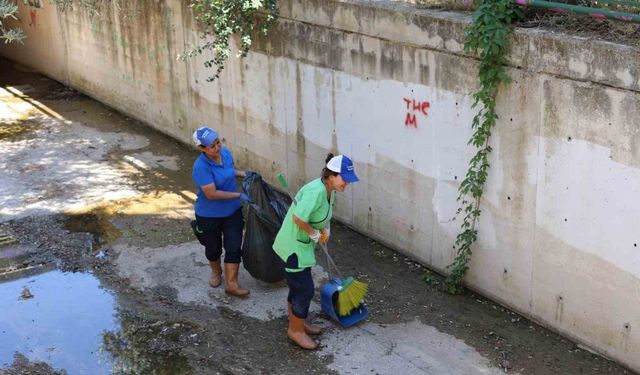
146, 347
70, 322
149, 220
58, 318
98, 225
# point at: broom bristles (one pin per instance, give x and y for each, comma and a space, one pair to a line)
351, 297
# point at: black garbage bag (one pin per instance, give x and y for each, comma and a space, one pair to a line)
264, 216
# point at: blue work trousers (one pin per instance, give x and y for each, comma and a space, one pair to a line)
214, 232
301, 288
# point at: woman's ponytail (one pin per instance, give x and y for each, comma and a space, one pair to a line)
326, 172
329, 157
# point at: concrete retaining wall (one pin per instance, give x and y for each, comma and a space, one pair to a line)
390, 86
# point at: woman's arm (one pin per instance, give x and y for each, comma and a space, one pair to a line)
240, 173
314, 234
304, 225
211, 192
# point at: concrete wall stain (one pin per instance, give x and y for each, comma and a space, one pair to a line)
570, 309
300, 141
342, 49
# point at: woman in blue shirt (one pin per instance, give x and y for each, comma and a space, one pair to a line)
218, 216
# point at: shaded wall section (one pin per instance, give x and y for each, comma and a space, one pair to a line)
391, 86
44, 49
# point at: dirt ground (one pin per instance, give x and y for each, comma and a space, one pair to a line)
135, 232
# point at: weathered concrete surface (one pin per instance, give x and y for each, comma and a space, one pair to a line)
101, 167
558, 239
148, 259
182, 267
407, 348
400, 348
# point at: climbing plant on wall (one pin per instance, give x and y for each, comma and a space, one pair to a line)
8, 10
221, 19
93, 7
130, 11
487, 34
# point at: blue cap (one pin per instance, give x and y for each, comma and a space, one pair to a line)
204, 136
344, 166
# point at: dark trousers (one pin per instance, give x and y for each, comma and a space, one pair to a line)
301, 288
213, 232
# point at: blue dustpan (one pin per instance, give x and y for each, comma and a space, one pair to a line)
328, 300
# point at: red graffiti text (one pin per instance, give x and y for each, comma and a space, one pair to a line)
32, 13
415, 107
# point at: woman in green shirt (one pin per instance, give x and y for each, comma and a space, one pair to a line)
306, 224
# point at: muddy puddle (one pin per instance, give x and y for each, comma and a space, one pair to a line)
58, 318
71, 323
98, 226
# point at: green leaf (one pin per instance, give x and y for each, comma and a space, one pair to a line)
222, 19
488, 33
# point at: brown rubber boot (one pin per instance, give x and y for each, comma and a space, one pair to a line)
216, 274
296, 333
309, 328
231, 280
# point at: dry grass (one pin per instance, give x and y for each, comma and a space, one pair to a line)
573, 24
585, 26
461, 5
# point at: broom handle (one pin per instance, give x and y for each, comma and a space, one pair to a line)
323, 246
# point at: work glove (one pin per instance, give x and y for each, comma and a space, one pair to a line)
315, 237
244, 198
324, 234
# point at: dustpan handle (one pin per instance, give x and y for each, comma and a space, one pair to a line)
323, 246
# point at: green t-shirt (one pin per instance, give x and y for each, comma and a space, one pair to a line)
310, 205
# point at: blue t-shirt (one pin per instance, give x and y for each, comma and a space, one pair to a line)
205, 172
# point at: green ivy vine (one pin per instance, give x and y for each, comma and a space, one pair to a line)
222, 19
9, 35
92, 7
488, 33
219, 19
